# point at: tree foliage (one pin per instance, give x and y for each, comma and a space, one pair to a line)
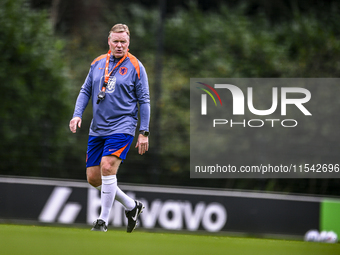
35, 99
228, 43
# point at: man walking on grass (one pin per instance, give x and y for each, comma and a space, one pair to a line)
117, 82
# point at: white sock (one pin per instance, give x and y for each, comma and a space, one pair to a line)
125, 200
121, 197
108, 193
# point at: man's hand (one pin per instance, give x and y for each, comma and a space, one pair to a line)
76, 121
142, 144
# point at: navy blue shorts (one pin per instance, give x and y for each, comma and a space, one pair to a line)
99, 146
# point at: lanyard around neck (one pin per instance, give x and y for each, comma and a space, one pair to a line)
101, 94
107, 74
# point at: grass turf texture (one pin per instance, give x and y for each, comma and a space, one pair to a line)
18, 239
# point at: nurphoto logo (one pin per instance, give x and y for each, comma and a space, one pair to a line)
264, 127
238, 104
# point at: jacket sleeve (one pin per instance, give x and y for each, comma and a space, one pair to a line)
142, 90
84, 96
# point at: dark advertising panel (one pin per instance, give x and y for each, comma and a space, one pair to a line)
168, 208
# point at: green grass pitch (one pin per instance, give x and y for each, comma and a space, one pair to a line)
27, 240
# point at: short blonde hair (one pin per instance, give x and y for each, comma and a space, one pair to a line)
119, 28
